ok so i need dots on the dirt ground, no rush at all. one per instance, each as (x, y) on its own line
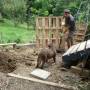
(23, 60)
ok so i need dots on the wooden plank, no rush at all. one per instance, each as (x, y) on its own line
(43, 82)
(46, 42)
(78, 40)
(6, 44)
(78, 37)
(46, 32)
(81, 29)
(43, 23)
(27, 44)
(48, 24)
(80, 34)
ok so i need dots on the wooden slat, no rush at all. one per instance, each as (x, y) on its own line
(6, 44)
(81, 31)
(27, 44)
(79, 34)
(63, 86)
(46, 25)
(78, 39)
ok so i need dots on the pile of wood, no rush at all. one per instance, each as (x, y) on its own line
(50, 29)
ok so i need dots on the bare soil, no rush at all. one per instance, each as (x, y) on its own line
(23, 60)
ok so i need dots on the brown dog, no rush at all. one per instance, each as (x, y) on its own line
(45, 54)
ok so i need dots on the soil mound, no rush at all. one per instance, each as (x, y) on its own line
(7, 62)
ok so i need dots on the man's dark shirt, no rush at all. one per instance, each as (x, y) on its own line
(70, 22)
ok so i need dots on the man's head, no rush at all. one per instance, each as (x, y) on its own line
(66, 13)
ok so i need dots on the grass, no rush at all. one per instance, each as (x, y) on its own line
(10, 33)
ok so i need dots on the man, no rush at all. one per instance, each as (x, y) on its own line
(70, 24)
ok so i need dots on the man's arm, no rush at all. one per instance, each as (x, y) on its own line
(71, 24)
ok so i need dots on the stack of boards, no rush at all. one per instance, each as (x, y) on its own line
(79, 51)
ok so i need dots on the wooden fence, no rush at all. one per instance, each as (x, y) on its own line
(49, 29)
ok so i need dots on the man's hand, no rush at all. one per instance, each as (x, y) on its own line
(63, 23)
(65, 29)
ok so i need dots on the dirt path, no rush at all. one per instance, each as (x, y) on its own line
(25, 60)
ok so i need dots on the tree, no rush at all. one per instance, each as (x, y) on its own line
(29, 5)
(14, 10)
(1, 11)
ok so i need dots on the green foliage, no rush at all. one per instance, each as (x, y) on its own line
(23, 10)
(41, 7)
(22, 14)
(18, 40)
(14, 9)
(58, 6)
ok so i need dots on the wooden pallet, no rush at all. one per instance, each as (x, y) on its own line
(49, 29)
(80, 33)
